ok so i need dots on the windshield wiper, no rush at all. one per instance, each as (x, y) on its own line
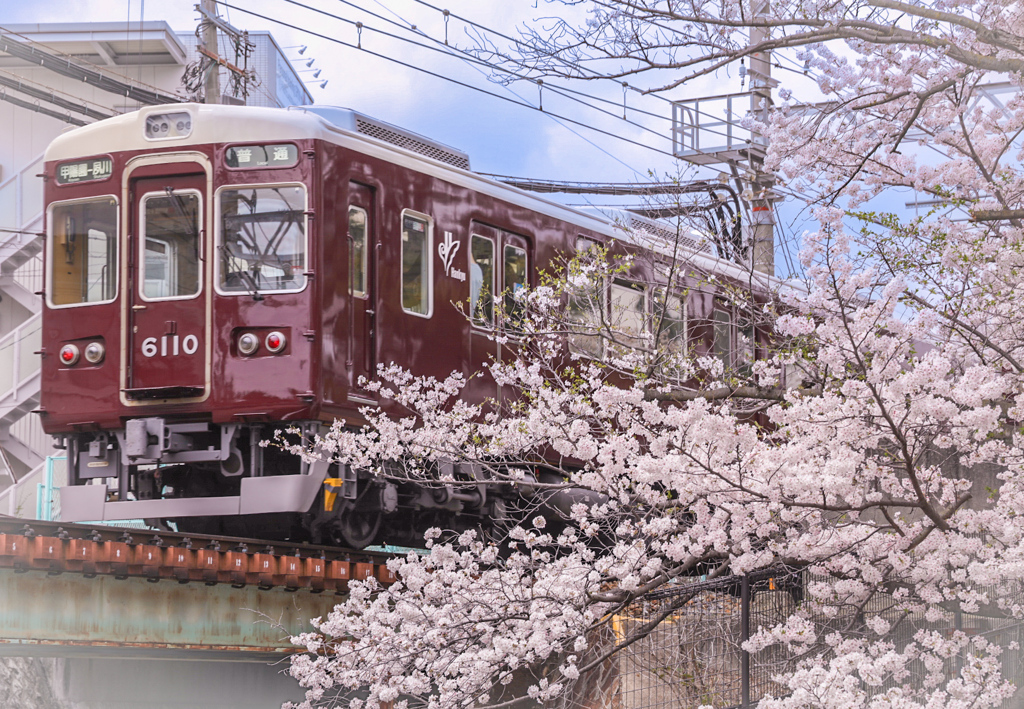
(251, 286)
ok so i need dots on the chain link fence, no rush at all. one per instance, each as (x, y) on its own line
(689, 653)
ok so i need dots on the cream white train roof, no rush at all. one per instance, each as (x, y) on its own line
(212, 123)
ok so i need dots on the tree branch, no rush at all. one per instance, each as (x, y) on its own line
(738, 392)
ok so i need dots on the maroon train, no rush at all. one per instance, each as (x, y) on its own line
(218, 273)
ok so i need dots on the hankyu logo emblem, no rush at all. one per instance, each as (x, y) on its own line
(447, 250)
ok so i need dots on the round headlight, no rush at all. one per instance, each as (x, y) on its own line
(94, 352)
(68, 355)
(248, 344)
(276, 341)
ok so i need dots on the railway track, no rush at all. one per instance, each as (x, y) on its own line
(93, 550)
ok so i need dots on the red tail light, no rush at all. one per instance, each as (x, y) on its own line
(276, 342)
(68, 355)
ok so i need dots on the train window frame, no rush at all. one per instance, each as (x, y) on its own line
(219, 238)
(51, 242)
(142, 237)
(428, 258)
(481, 323)
(726, 353)
(745, 342)
(509, 305)
(662, 300)
(622, 285)
(364, 270)
(591, 346)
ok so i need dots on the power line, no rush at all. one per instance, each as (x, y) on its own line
(490, 65)
(521, 103)
(448, 50)
(21, 103)
(29, 89)
(560, 90)
(99, 107)
(556, 119)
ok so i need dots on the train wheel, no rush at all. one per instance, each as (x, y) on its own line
(359, 528)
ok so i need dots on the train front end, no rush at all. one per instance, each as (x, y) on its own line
(178, 327)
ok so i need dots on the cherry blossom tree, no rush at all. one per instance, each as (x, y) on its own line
(850, 447)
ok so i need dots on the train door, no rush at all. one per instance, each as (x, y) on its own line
(362, 262)
(515, 273)
(167, 293)
(514, 262)
(483, 267)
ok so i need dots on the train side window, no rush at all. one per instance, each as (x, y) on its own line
(628, 313)
(261, 243)
(417, 239)
(515, 281)
(357, 248)
(83, 252)
(171, 267)
(722, 331)
(481, 281)
(669, 325)
(746, 344)
(586, 310)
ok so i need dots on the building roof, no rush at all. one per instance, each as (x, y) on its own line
(103, 43)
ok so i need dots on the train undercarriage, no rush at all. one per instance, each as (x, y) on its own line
(231, 479)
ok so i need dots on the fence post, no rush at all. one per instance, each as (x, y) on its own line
(744, 636)
(958, 624)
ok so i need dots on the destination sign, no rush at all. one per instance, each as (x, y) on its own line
(69, 173)
(283, 155)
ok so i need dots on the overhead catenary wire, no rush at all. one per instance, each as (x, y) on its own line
(29, 89)
(448, 50)
(81, 103)
(491, 65)
(550, 116)
(561, 90)
(520, 102)
(22, 103)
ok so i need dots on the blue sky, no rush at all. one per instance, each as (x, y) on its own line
(499, 136)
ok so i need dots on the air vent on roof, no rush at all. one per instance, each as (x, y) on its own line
(409, 141)
(651, 229)
(652, 233)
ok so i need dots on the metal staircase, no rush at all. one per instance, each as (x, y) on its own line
(21, 218)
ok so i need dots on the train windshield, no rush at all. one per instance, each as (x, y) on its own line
(262, 239)
(171, 266)
(83, 257)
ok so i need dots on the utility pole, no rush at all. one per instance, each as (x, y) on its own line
(708, 131)
(211, 83)
(761, 197)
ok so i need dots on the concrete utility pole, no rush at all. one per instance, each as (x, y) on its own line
(708, 131)
(211, 87)
(761, 84)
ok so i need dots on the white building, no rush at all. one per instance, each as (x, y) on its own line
(53, 76)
